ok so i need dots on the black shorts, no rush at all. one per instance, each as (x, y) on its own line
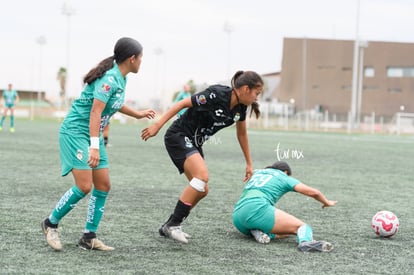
(180, 147)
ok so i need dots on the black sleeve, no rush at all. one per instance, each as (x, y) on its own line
(205, 98)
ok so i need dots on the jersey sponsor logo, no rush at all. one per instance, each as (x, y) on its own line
(91, 209)
(65, 198)
(219, 124)
(117, 104)
(219, 112)
(201, 99)
(104, 122)
(105, 88)
(212, 95)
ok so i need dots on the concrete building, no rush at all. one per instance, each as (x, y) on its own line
(318, 73)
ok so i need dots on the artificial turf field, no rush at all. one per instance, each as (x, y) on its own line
(365, 173)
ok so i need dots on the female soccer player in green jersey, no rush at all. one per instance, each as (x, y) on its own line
(82, 149)
(208, 111)
(255, 213)
(11, 98)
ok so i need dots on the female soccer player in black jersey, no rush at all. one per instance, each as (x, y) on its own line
(209, 111)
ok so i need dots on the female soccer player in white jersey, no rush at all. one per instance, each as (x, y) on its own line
(255, 213)
(208, 111)
(82, 149)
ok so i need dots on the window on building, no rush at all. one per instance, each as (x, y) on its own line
(394, 90)
(326, 67)
(371, 88)
(369, 72)
(400, 71)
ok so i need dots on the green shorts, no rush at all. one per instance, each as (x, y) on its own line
(254, 213)
(74, 153)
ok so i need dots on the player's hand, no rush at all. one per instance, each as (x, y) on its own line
(150, 114)
(249, 173)
(94, 157)
(149, 132)
(329, 203)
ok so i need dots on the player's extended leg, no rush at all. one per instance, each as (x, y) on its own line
(96, 207)
(196, 172)
(288, 224)
(285, 223)
(69, 200)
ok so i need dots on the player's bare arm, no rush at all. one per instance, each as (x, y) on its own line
(153, 129)
(314, 193)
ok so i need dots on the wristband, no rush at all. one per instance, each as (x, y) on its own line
(94, 143)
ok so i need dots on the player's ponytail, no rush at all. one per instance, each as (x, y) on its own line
(99, 70)
(255, 109)
(124, 48)
(252, 80)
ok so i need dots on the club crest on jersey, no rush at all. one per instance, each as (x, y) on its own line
(236, 117)
(188, 143)
(79, 154)
(201, 99)
(105, 88)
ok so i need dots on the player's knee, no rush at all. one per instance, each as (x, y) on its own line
(86, 189)
(103, 186)
(199, 185)
(204, 194)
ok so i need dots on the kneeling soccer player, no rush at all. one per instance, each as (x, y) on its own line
(255, 214)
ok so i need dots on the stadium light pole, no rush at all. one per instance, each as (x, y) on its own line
(41, 40)
(158, 93)
(68, 11)
(362, 45)
(355, 72)
(228, 28)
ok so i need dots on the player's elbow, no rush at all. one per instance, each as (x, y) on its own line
(314, 193)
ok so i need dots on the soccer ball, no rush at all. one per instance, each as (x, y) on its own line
(385, 224)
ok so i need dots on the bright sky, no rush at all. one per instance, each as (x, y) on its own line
(188, 36)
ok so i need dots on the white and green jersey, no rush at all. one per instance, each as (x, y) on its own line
(271, 183)
(108, 89)
(9, 96)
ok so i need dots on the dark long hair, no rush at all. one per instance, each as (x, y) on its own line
(252, 80)
(124, 48)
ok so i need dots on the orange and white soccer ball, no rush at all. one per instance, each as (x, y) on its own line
(385, 224)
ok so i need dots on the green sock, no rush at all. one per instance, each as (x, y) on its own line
(2, 120)
(66, 203)
(96, 207)
(305, 233)
(11, 121)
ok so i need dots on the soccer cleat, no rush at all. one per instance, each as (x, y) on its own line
(52, 236)
(260, 236)
(174, 232)
(313, 245)
(1, 128)
(93, 244)
(11, 130)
